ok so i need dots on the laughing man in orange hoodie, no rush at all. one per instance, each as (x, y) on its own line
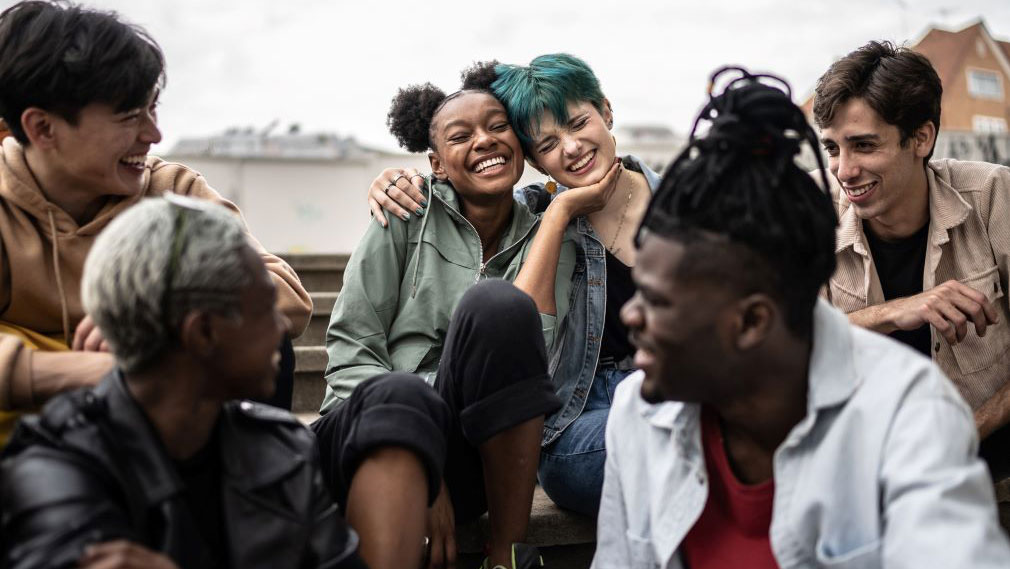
(78, 93)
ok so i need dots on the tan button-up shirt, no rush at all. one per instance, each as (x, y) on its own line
(969, 241)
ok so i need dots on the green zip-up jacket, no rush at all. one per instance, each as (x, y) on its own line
(403, 283)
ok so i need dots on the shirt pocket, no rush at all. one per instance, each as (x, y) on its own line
(863, 557)
(643, 555)
(976, 353)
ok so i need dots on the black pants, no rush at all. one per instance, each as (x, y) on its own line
(390, 410)
(492, 376)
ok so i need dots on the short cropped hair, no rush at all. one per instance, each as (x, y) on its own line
(61, 57)
(549, 83)
(899, 84)
(155, 263)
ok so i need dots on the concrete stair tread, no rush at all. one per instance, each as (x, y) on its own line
(315, 261)
(322, 303)
(310, 359)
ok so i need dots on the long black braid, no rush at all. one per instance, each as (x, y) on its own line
(739, 183)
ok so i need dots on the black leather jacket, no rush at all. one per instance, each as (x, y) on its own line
(90, 468)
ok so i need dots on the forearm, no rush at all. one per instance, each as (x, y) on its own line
(56, 372)
(539, 272)
(994, 413)
(876, 318)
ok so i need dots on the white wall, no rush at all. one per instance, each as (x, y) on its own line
(316, 206)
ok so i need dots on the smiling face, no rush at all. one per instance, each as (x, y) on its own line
(105, 152)
(683, 330)
(475, 147)
(879, 175)
(579, 152)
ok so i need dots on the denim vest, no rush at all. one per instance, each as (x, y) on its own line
(577, 347)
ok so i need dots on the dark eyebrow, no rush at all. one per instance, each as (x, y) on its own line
(455, 122)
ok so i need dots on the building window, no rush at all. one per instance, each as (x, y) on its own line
(985, 84)
(988, 125)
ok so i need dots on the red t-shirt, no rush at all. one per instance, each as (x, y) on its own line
(733, 528)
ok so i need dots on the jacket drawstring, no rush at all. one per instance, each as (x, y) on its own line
(59, 279)
(420, 242)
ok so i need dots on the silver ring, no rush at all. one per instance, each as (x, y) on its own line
(386, 189)
(417, 176)
(396, 179)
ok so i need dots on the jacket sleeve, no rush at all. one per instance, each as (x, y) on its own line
(612, 522)
(54, 508)
(937, 497)
(292, 298)
(357, 336)
(15, 374)
(331, 542)
(999, 228)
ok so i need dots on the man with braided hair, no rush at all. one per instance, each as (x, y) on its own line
(763, 429)
(923, 245)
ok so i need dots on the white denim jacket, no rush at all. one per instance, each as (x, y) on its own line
(882, 472)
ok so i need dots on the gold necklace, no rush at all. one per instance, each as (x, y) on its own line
(624, 213)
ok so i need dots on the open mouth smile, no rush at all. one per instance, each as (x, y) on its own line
(859, 193)
(491, 165)
(584, 163)
(134, 162)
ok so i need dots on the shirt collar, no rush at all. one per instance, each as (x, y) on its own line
(832, 374)
(947, 209)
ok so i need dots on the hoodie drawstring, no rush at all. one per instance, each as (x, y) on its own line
(420, 242)
(59, 279)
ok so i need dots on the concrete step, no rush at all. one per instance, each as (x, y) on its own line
(318, 273)
(309, 385)
(322, 306)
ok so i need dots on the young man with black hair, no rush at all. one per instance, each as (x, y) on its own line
(78, 93)
(923, 245)
(764, 430)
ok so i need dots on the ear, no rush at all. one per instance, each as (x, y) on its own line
(756, 316)
(436, 166)
(39, 127)
(608, 113)
(924, 137)
(198, 334)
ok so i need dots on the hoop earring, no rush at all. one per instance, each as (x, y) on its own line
(551, 186)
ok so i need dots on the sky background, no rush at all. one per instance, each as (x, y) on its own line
(334, 65)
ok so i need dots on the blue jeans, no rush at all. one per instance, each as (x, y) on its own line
(571, 468)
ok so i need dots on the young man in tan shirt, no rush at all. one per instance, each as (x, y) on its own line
(923, 246)
(78, 93)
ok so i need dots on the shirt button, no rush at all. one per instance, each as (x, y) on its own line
(701, 478)
(936, 347)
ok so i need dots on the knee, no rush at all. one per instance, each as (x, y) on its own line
(487, 302)
(399, 388)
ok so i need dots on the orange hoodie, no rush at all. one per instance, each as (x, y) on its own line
(40, 277)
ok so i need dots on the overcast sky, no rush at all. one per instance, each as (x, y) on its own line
(334, 65)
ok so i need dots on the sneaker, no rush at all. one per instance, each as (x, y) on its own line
(523, 557)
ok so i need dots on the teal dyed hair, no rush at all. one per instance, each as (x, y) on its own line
(548, 84)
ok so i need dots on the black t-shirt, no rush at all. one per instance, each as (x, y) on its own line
(900, 265)
(202, 478)
(620, 289)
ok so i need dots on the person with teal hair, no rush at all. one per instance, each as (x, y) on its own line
(563, 120)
